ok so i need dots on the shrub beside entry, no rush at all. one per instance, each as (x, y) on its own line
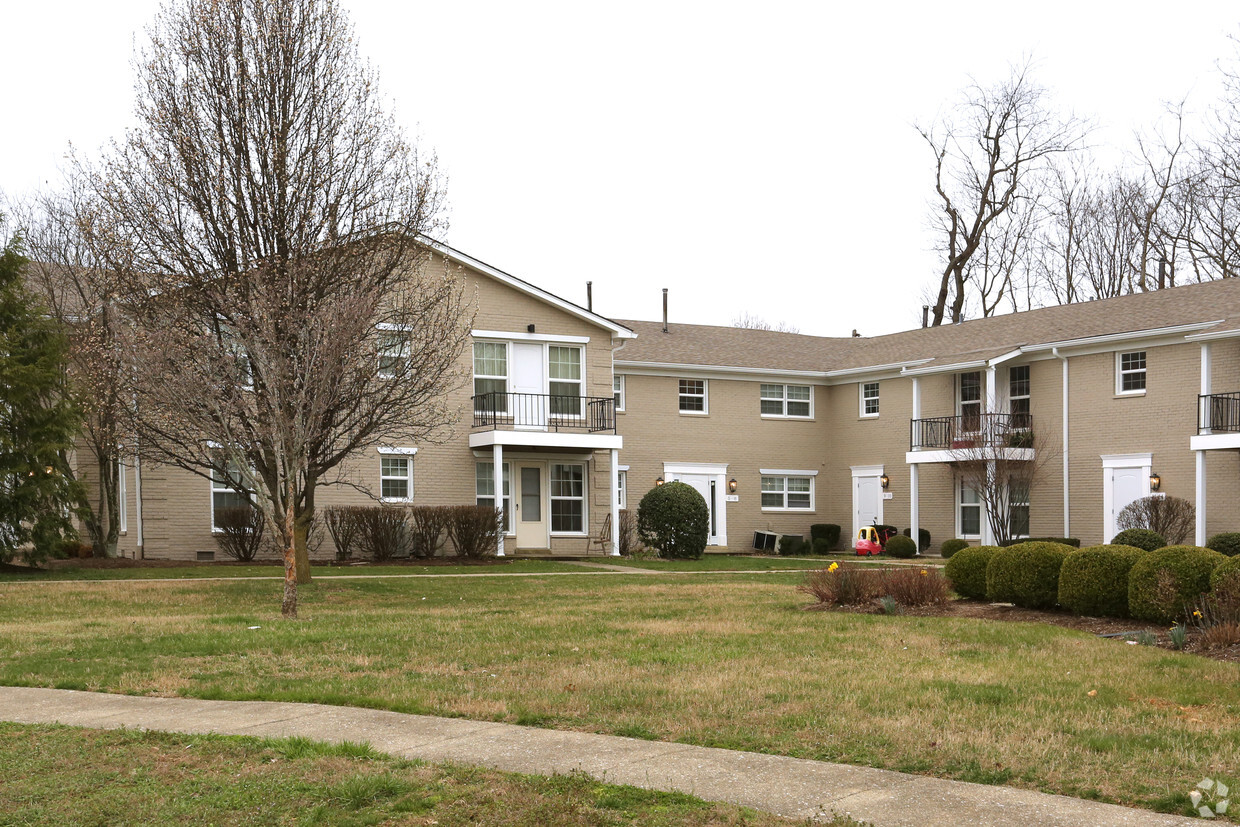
(1164, 582)
(952, 546)
(966, 569)
(828, 532)
(901, 546)
(1026, 574)
(1094, 580)
(1227, 543)
(674, 521)
(1142, 538)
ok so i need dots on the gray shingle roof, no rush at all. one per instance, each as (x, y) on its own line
(1213, 301)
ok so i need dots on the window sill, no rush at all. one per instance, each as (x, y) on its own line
(396, 500)
(788, 510)
(581, 535)
(694, 413)
(862, 417)
(786, 416)
(1129, 394)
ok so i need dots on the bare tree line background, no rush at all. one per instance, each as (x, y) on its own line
(1025, 215)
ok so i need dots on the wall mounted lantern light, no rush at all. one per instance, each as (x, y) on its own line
(732, 486)
(1155, 482)
(659, 481)
(884, 481)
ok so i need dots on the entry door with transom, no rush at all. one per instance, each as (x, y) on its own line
(529, 405)
(532, 522)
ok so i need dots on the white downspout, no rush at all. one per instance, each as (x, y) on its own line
(1067, 498)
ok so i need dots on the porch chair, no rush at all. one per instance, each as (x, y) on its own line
(602, 539)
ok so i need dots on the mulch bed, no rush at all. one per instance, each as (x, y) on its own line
(1093, 625)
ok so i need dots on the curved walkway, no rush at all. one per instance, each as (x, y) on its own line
(787, 786)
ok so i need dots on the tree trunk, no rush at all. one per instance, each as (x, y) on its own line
(288, 608)
(302, 529)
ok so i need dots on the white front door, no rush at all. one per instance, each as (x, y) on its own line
(532, 506)
(529, 406)
(711, 487)
(867, 502)
(1124, 485)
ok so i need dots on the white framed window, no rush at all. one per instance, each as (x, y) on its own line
(968, 512)
(790, 492)
(788, 401)
(1018, 509)
(227, 491)
(869, 399)
(617, 387)
(622, 487)
(122, 511)
(393, 353)
(396, 475)
(969, 402)
(1018, 396)
(564, 373)
(491, 376)
(693, 398)
(1130, 372)
(568, 498)
(485, 490)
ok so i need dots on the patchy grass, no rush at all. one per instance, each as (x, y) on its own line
(57, 775)
(728, 661)
(717, 562)
(191, 571)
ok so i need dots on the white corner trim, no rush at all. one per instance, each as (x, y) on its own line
(867, 470)
(786, 472)
(387, 449)
(529, 337)
(1127, 460)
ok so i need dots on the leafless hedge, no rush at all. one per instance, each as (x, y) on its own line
(1172, 517)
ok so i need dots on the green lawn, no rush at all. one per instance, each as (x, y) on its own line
(719, 562)
(729, 660)
(57, 775)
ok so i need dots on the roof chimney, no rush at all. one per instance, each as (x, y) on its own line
(856, 335)
(664, 309)
(925, 315)
(590, 296)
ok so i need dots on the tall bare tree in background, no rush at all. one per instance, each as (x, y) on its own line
(82, 293)
(265, 218)
(991, 154)
(752, 321)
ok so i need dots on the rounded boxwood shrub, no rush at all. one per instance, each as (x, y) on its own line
(967, 570)
(1026, 574)
(901, 546)
(952, 546)
(1094, 580)
(1227, 543)
(822, 545)
(674, 521)
(1228, 570)
(1184, 572)
(1142, 538)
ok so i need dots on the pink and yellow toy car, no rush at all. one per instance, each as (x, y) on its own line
(872, 539)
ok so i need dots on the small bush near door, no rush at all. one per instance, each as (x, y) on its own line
(1094, 580)
(923, 538)
(901, 546)
(791, 545)
(829, 533)
(1227, 543)
(1141, 538)
(1026, 575)
(952, 546)
(474, 529)
(673, 519)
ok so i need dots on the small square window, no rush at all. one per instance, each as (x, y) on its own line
(693, 396)
(869, 399)
(396, 478)
(1130, 372)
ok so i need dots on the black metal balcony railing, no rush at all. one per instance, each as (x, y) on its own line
(545, 412)
(1218, 413)
(973, 430)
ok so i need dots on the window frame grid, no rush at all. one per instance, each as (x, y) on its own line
(554, 496)
(682, 395)
(785, 493)
(1121, 373)
(864, 400)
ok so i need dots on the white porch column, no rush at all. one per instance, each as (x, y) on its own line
(615, 503)
(498, 457)
(992, 391)
(1201, 498)
(914, 518)
(988, 534)
(1204, 410)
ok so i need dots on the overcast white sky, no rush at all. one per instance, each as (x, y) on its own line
(755, 157)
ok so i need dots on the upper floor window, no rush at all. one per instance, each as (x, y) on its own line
(970, 402)
(693, 396)
(396, 474)
(617, 386)
(491, 375)
(869, 399)
(1130, 372)
(564, 372)
(786, 400)
(1018, 395)
(393, 353)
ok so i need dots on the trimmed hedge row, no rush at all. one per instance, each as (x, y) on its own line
(966, 569)
(1164, 582)
(1063, 541)
(1094, 580)
(1026, 574)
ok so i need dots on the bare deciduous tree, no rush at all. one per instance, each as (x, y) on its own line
(752, 321)
(1172, 517)
(989, 155)
(267, 215)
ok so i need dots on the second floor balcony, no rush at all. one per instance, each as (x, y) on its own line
(545, 412)
(965, 433)
(1218, 413)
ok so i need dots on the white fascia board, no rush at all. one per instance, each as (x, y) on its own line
(955, 367)
(619, 331)
(948, 455)
(999, 360)
(529, 337)
(893, 368)
(1142, 460)
(1113, 338)
(546, 439)
(695, 468)
(717, 372)
(1214, 442)
(1211, 335)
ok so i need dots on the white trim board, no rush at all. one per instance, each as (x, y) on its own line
(529, 337)
(785, 472)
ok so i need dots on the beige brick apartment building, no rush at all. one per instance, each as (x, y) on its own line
(574, 416)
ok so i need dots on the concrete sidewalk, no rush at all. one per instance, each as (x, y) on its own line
(786, 786)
